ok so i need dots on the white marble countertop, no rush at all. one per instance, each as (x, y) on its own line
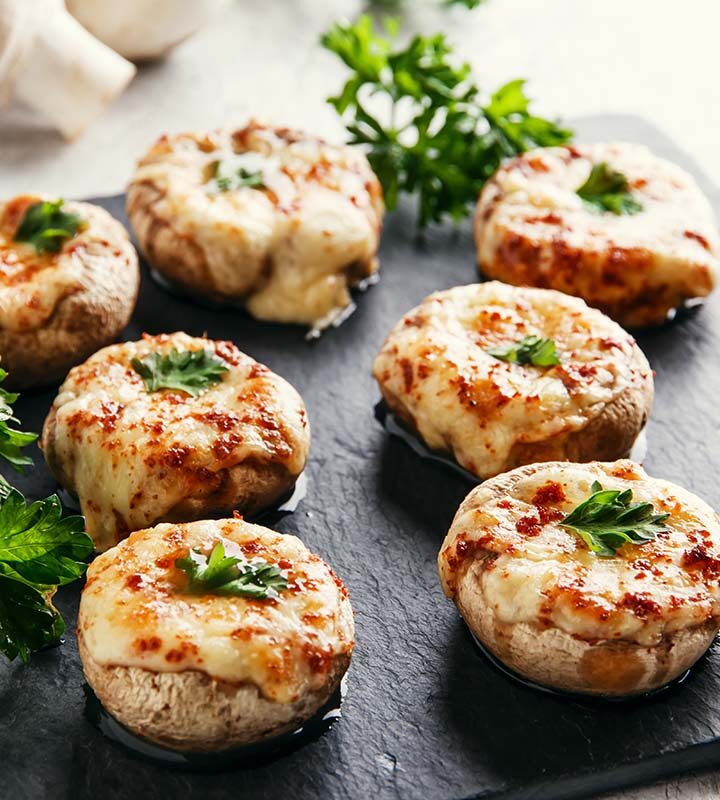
(654, 58)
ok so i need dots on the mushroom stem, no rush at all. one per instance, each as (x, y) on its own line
(63, 72)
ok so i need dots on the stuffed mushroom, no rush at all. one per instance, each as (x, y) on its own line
(173, 428)
(272, 218)
(591, 578)
(207, 661)
(69, 280)
(498, 376)
(630, 233)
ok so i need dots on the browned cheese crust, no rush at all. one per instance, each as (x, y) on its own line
(532, 229)
(557, 614)
(58, 308)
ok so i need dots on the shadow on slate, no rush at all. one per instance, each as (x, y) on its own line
(426, 716)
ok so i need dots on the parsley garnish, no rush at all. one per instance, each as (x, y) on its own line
(530, 350)
(229, 177)
(11, 441)
(39, 550)
(190, 371)
(46, 226)
(607, 190)
(228, 575)
(439, 140)
(608, 519)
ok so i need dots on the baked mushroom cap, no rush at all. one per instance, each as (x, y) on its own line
(58, 308)
(269, 217)
(558, 614)
(532, 228)
(135, 457)
(194, 670)
(491, 415)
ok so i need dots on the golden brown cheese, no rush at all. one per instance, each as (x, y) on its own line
(288, 249)
(532, 228)
(131, 456)
(31, 283)
(435, 373)
(135, 611)
(508, 544)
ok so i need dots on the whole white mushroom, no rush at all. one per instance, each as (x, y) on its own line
(51, 63)
(143, 29)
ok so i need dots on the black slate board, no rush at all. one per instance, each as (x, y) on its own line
(426, 716)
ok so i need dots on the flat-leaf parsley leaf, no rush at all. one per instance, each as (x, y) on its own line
(608, 519)
(229, 575)
(39, 550)
(46, 226)
(11, 440)
(606, 189)
(440, 140)
(530, 350)
(190, 371)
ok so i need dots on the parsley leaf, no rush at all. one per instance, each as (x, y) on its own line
(228, 575)
(11, 440)
(28, 620)
(530, 350)
(46, 226)
(439, 140)
(190, 371)
(39, 550)
(230, 177)
(608, 519)
(607, 190)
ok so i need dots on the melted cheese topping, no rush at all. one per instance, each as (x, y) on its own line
(132, 456)
(134, 611)
(288, 249)
(533, 570)
(533, 228)
(31, 283)
(435, 370)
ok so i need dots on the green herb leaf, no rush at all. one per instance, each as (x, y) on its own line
(11, 440)
(230, 178)
(607, 190)
(467, 3)
(228, 575)
(46, 226)
(439, 141)
(39, 550)
(530, 350)
(28, 620)
(190, 371)
(608, 519)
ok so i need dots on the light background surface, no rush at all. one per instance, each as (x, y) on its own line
(654, 58)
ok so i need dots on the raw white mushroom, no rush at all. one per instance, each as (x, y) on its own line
(143, 29)
(49, 62)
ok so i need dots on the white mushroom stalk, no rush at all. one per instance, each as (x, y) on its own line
(52, 64)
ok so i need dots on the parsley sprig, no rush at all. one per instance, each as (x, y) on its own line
(190, 371)
(229, 575)
(440, 140)
(39, 551)
(11, 440)
(606, 189)
(229, 177)
(46, 226)
(608, 519)
(530, 350)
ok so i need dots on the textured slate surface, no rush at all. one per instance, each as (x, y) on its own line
(426, 716)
